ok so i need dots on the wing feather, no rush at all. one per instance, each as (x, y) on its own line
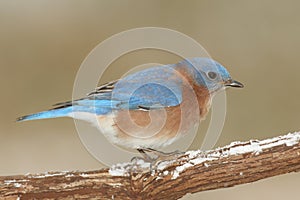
(152, 88)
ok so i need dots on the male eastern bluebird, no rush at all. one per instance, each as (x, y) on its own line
(151, 108)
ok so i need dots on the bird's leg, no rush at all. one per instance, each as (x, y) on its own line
(145, 157)
(159, 156)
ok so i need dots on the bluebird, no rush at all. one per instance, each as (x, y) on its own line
(151, 108)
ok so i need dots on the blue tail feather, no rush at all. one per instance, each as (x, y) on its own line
(63, 112)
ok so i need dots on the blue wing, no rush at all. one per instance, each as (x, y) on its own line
(151, 88)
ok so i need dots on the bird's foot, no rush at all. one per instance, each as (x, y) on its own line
(155, 157)
(139, 165)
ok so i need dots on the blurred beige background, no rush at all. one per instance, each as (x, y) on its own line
(42, 44)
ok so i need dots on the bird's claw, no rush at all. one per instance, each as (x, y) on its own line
(158, 158)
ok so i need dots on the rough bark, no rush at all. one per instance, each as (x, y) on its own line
(194, 171)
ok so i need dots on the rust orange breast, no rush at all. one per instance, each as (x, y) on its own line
(157, 123)
(149, 128)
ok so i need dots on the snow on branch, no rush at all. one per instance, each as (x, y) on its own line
(194, 171)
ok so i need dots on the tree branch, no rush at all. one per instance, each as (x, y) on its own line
(237, 163)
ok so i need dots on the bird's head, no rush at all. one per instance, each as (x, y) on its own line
(210, 74)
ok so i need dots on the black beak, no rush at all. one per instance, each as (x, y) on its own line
(234, 83)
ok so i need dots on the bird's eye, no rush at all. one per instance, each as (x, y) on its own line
(212, 75)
